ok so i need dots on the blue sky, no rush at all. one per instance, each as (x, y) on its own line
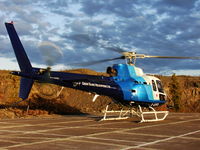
(72, 29)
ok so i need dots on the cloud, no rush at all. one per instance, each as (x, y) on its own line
(183, 4)
(161, 27)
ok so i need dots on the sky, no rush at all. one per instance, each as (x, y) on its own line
(63, 32)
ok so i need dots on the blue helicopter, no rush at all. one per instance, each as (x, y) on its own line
(126, 84)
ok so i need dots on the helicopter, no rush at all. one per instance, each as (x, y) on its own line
(126, 83)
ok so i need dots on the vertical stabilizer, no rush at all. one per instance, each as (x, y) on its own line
(23, 61)
(25, 87)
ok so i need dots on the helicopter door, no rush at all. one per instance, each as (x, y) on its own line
(155, 90)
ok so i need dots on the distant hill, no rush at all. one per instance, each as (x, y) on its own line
(47, 99)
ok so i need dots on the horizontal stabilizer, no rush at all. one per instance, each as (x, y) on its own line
(25, 87)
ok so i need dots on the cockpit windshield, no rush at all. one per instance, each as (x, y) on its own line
(160, 87)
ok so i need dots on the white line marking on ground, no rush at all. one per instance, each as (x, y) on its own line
(143, 134)
(162, 140)
(157, 125)
(156, 135)
(190, 138)
(101, 143)
(115, 140)
(95, 134)
(68, 127)
(42, 124)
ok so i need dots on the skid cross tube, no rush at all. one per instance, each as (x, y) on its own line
(153, 112)
(125, 114)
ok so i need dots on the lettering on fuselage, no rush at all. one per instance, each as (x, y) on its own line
(75, 84)
(56, 78)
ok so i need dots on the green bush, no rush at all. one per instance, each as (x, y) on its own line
(174, 89)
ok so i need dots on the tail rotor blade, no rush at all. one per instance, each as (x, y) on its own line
(50, 52)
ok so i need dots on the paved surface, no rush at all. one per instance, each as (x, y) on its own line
(178, 131)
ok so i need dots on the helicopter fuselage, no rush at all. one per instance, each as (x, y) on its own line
(129, 85)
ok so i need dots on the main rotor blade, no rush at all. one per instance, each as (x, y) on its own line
(171, 57)
(94, 41)
(96, 62)
(115, 49)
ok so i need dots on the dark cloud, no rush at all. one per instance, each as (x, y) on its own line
(20, 2)
(183, 4)
(119, 8)
(160, 27)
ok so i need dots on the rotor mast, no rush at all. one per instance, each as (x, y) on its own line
(131, 57)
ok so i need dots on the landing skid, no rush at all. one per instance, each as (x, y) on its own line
(145, 116)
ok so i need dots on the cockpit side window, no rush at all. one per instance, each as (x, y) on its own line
(154, 85)
(160, 87)
(111, 71)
